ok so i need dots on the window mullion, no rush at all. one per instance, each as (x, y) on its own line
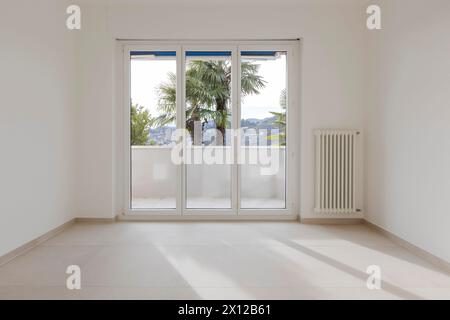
(235, 101)
(180, 125)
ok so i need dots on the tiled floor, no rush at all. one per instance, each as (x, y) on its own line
(220, 260)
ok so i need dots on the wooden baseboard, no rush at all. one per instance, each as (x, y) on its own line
(337, 221)
(35, 242)
(431, 258)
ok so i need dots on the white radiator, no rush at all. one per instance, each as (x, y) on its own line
(336, 171)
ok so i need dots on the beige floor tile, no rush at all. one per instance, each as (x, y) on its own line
(97, 234)
(95, 293)
(45, 265)
(220, 260)
(133, 266)
(324, 235)
(398, 266)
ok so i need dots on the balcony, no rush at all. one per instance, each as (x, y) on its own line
(154, 180)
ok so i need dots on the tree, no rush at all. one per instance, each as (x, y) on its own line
(140, 125)
(280, 119)
(208, 90)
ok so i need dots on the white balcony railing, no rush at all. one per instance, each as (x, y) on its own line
(154, 178)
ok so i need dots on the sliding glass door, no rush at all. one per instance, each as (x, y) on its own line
(208, 124)
(263, 123)
(207, 129)
(153, 114)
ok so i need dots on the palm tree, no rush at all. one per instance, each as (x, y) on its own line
(280, 120)
(208, 90)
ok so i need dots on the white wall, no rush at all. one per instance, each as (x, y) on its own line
(331, 88)
(36, 120)
(95, 98)
(407, 120)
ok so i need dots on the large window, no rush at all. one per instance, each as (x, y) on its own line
(207, 128)
(263, 123)
(153, 116)
(208, 122)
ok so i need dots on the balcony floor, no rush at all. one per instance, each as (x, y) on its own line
(208, 203)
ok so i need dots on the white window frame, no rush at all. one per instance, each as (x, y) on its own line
(292, 166)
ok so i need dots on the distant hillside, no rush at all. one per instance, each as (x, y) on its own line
(162, 136)
(266, 123)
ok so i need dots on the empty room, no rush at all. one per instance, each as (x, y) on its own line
(252, 150)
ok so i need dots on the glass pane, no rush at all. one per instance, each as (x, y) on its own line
(263, 129)
(153, 119)
(208, 123)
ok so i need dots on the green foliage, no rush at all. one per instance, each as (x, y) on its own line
(283, 99)
(280, 120)
(208, 90)
(140, 125)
